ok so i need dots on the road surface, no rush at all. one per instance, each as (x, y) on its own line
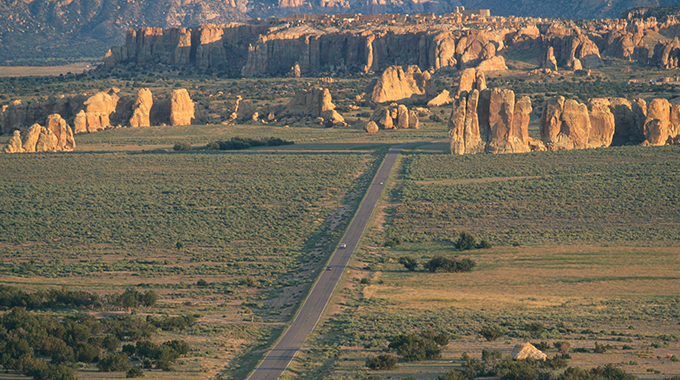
(278, 359)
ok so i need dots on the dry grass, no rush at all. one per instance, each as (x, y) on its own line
(41, 71)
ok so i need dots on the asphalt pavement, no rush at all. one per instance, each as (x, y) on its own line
(278, 359)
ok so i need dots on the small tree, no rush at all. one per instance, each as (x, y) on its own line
(408, 263)
(179, 245)
(465, 241)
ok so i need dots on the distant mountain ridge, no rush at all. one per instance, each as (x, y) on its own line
(34, 30)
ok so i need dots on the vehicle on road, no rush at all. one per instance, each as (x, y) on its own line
(343, 245)
(328, 267)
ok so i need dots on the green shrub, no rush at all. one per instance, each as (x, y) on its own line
(134, 372)
(445, 264)
(382, 362)
(182, 146)
(465, 242)
(117, 362)
(483, 244)
(418, 347)
(408, 263)
(491, 333)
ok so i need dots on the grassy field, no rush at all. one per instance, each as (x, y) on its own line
(585, 252)
(255, 229)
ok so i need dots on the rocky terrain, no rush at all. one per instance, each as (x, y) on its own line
(37, 29)
(312, 45)
(491, 121)
(103, 110)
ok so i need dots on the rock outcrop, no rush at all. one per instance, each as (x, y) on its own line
(100, 111)
(490, 121)
(141, 110)
(662, 125)
(526, 350)
(182, 110)
(97, 112)
(565, 124)
(15, 145)
(395, 84)
(602, 123)
(62, 131)
(395, 116)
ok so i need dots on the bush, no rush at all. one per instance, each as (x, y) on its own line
(182, 146)
(382, 362)
(465, 242)
(483, 244)
(118, 362)
(239, 143)
(418, 347)
(134, 372)
(490, 333)
(392, 242)
(445, 264)
(408, 263)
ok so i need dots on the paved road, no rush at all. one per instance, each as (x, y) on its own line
(288, 346)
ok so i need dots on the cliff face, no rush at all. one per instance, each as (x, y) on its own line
(86, 28)
(312, 44)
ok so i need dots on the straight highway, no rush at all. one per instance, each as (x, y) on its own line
(283, 353)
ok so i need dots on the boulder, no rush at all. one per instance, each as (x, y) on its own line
(526, 350)
(63, 132)
(141, 110)
(332, 117)
(182, 111)
(371, 127)
(602, 123)
(395, 84)
(14, 145)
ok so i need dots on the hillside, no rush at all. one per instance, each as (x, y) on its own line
(42, 31)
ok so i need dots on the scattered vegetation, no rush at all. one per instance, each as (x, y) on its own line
(238, 143)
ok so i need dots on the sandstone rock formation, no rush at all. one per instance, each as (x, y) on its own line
(471, 79)
(394, 116)
(490, 121)
(395, 84)
(312, 102)
(496, 63)
(602, 123)
(56, 137)
(662, 125)
(99, 111)
(141, 110)
(548, 61)
(62, 131)
(629, 121)
(181, 107)
(95, 116)
(354, 43)
(565, 124)
(527, 350)
(15, 145)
